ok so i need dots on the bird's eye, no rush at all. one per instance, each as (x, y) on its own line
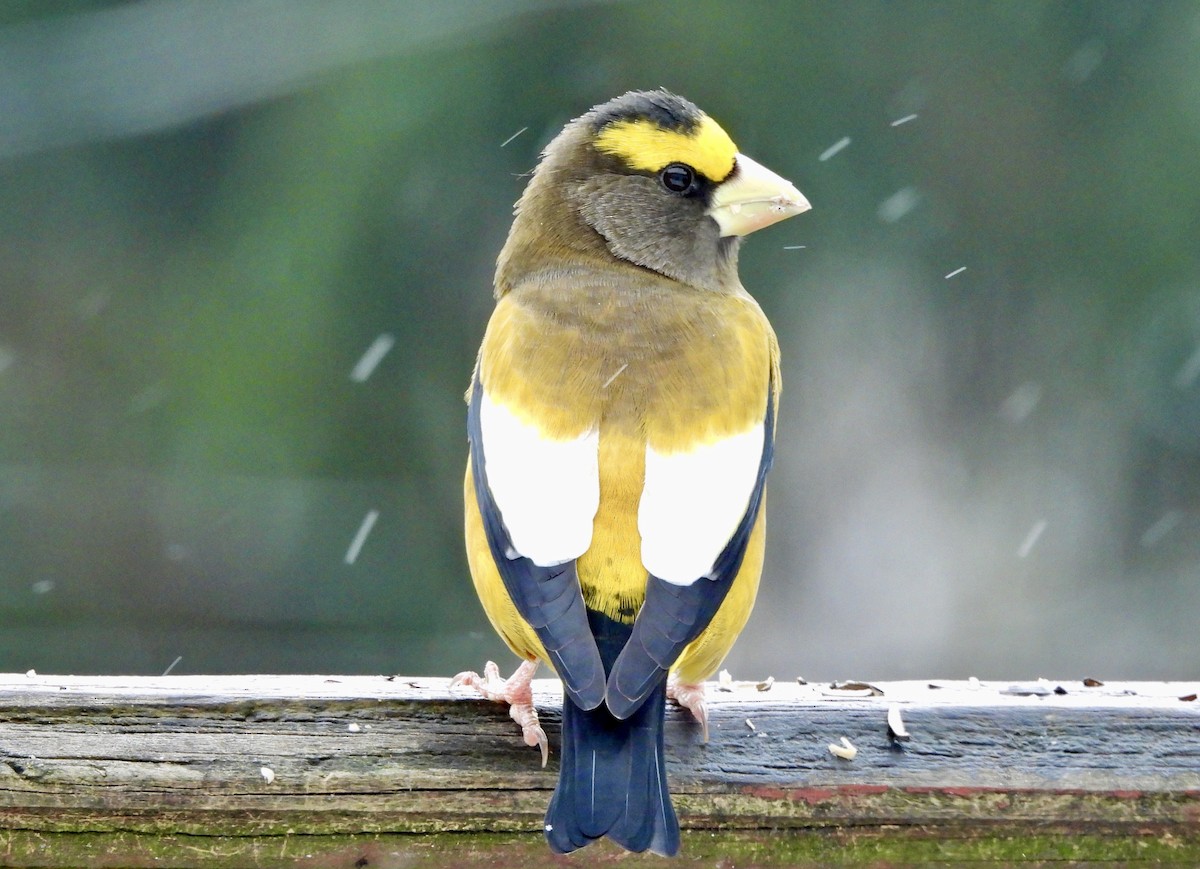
(678, 178)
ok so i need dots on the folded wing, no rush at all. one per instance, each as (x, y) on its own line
(538, 498)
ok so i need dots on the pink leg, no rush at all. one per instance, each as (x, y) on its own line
(691, 698)
(516, 692)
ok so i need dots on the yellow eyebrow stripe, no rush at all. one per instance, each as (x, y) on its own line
(644, 145)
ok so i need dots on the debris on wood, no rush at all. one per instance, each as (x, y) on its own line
(1038, 690)
(846, 751)
(726, 682)
(896, 729)
(972, 683)
(856, 689)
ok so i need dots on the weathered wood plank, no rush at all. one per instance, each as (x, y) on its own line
(264, 759)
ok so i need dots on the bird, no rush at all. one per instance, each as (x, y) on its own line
(621, 423)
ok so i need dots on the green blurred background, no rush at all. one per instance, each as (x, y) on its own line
(211, 211)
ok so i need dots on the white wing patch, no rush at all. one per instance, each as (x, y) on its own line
(692, 503)
(547, 490)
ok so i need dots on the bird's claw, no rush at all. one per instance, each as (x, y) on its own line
(517, 692)
(690, 697)
(527, 719)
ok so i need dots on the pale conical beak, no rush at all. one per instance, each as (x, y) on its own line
(754, 197)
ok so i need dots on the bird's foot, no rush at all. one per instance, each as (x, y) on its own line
(690, 697)
(517, 692)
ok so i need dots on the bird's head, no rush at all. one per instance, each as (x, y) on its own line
(652, 180)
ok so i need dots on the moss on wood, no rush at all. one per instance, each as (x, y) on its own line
(743, 849)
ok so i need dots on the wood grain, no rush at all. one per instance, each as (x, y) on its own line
(247, 757)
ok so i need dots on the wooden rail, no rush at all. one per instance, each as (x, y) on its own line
(355, 771)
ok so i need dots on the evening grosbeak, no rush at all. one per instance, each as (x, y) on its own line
(621, 425)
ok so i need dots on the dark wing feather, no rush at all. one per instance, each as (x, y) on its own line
(549, 598)
(674, 615)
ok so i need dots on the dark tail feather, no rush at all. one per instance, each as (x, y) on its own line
(613, 780)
